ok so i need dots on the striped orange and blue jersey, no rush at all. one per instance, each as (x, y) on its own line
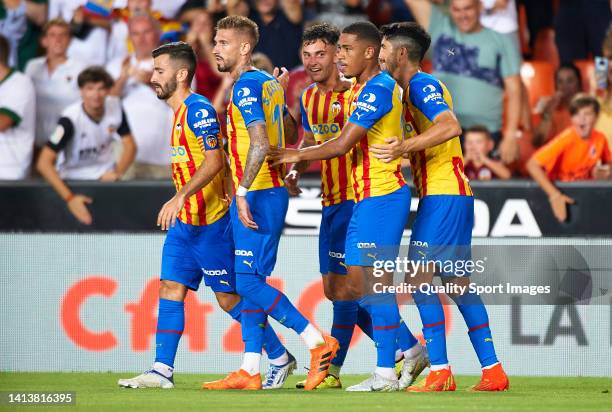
(196, 130)
(437, 170)
(377, 107)
(256, 97)
(324, 115)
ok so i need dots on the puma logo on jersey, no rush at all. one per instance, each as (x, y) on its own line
(249, 264)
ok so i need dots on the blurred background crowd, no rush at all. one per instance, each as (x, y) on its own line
(520, 72)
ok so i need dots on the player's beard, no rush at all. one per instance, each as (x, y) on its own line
(167, 90)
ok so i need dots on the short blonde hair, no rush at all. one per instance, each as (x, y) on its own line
(241, 24)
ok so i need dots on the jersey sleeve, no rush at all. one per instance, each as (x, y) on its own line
(605, 153)
(124, 127)
(202, 119)
(427, 95)
(548, 155)
(63, 133)
(15, 105)
(247, 97)
(304, 114)
(373, 103)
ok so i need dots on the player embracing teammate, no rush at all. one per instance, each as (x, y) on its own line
(443, 226)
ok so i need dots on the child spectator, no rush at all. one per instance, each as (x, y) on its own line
(478, 165)
(578, 153)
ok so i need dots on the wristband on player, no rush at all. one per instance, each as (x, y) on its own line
(242, 191)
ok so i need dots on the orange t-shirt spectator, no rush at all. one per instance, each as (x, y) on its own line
(578, 153)
(569, 156)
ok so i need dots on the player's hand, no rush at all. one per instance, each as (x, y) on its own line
(509, 149)
(282, 75)
(279, 155)
(78, 207)
(169, 212)
(244, 213)
(390, 151)
(558, 203)
(110, 176)
(291, 183)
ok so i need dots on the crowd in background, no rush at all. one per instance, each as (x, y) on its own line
(493, 55)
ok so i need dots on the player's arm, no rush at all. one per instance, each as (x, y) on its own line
(128, 154)
(363, 118)
(427, 96)
(291, 128)
(203, 120)
(45, 165)
(421, 10)
(291, 180)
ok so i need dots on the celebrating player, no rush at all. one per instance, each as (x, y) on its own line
(432, 144)
(199, 241)
(325, 109)
(257, 119)
(382, 197)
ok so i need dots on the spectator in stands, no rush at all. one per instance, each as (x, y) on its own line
(55, 79)
(12, 26)
(553, 111)
(90, 26)
(578, 153)
(119, 35)
(150, 119)
(479, 66)
(339, 13)
(479, 165)
(280, 30)
(501, 16)
(17, 108)
(200, 37)
(20, 22)
(580, 27)
(539, 15)
(82, 142)
(604, 123)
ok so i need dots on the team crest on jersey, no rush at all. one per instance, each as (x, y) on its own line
(335, 108)
(211, 141)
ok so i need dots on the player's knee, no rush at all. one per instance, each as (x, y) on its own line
(172, 290)
(227, 301)
(328, 289)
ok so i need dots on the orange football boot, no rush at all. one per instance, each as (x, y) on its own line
(235, 380)
(493, 379)
(437, 381)
(320, 359)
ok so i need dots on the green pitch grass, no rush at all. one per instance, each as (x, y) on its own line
(99, 392)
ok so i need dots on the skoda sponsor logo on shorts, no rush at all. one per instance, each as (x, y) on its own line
(242, 252)
(366, 245)
(336, 255)
(214, 272)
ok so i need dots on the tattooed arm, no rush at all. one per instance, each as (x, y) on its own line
(258, 149)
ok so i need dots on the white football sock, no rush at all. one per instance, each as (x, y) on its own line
(250, 362)
(413, 352)
(387, 373)
(490, 366)
(312, 337)
(281, 360)
(164, 369)
(439, 367)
